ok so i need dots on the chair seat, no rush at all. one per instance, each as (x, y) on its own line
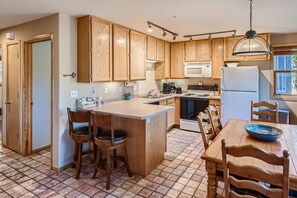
(81, 130)
(118, 135)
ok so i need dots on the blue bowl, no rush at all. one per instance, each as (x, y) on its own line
(263, 132)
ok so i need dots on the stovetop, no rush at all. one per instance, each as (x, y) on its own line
(200, 91)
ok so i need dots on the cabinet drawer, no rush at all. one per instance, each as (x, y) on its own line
(170, 101)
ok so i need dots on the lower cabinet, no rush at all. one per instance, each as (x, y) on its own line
(170, 121)
(177, 111)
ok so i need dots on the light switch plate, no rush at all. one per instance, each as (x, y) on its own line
(93, 91)
(120, 89)
(73, 94)
(105, 90)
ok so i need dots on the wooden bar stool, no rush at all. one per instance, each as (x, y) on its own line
(81, 132)
(108, 141)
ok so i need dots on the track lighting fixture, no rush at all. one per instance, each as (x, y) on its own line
(165, 31)
(210, 34)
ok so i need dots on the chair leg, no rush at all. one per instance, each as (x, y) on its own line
(75, 156)
(79, 160)
(127, 161)
(108, 169)
(115, 164)
(95, 152)
(96, 163)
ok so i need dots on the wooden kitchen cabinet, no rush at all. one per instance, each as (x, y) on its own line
(177, 60)
(230, 42)
(217, 103)
(120, 53)
(160, 50)
(151, 48)
(170, 121)
(190, 51)
(137, 55)
(217, 46)
(93, 50)
(177, 111)
(162, 69)
(203, 50)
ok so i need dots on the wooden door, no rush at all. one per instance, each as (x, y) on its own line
(137, 55)
(101, 50)
(120, 53)
(229, 46)
(167, 60)
(203, 50)
(151, 48)
(177, 60)
(190, 51)
(160, 50)
(13, 97)
(217, 57)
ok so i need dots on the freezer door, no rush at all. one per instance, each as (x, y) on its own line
(237, 105)
(240, 78)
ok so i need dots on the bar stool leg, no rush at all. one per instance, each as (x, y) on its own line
(127, 161)
(96, 163)
(75, 156)
(78, 160)
(108, 169)
(115, 164)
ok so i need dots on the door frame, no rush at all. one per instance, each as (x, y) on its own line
(6, 92)
(27, 95)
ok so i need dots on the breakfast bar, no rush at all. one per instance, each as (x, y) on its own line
(146, 128)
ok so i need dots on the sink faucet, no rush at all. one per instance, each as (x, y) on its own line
(151, 92)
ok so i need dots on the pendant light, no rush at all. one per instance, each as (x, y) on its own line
(251, 44)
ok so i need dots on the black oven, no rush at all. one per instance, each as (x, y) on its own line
(190, 107)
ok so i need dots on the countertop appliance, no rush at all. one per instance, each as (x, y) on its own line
(239, 86)
(172, 87)
(178, 90)
(197, 69)
(192, 103)
(166, 88)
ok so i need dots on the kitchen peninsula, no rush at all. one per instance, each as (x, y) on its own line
(146, 127)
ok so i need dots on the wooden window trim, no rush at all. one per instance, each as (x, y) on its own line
(273, 95)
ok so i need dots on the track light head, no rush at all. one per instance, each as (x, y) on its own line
(174, 37)
(150, 28)
(164, 33)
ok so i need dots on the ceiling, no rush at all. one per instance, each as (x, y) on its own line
(180, 16)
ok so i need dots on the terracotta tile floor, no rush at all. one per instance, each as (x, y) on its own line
(31, 177)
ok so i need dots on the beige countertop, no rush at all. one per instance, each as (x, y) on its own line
(136, 108)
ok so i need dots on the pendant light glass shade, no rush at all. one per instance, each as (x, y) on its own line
(251, 46)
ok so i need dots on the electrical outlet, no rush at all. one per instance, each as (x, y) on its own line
(73, 94)
(105, 90)
(120, 89)
(135, 87)
(94, 91)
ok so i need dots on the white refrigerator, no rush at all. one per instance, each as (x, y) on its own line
(239, 86)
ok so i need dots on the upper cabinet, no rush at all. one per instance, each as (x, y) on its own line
(120, 53)
(203, 50)
(190, 51)
(160, 50)
(137, 55)
(93, 50)
(162, 69)
(151, 48)
(217, 57)
(230, 42)
(177, 60)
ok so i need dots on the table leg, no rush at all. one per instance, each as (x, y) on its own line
(211, 181)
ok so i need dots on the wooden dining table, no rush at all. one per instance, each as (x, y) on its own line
(235, 135)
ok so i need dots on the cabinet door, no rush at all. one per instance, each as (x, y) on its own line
(262, 57)
(101, 50)
(120, 53)
(190, 51)
(167, 60)
(137, 55)
(217, 57)
(177, 111)
(230, 42)
(151, 48)
(170, 118)
(203, 50)
(177, 60)
(160, 50)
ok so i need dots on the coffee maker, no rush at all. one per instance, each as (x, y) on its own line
(172, 87)
(166, 88)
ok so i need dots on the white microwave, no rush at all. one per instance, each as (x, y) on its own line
(197, 69)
